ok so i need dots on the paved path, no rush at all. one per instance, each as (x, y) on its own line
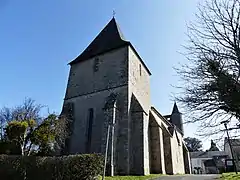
(190, 177)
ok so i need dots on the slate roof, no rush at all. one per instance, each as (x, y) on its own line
(175, 108)
(165, 119)
(162, 117)
(108, 39)
(209, 154)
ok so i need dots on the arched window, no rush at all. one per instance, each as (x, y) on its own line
(89, 130)
(140, 69)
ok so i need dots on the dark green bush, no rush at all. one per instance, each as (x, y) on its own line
(74, 167)
(11, 167)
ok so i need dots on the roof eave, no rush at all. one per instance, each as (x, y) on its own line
(127, 43)
(163, 118)
(76, 60)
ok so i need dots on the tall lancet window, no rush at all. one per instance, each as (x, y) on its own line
(89, 130)
(140, 69)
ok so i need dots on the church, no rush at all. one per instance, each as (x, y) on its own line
(108, 101)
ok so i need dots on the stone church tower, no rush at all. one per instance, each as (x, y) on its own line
(110, 84)
(108, 72)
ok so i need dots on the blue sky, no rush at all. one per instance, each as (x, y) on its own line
(39, 38)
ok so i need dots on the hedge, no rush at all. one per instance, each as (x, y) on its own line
(74, 167)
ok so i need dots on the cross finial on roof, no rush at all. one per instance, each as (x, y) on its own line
(114, 13)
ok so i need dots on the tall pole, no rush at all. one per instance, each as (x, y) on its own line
(106, 151)
(112, 140)
(230, 145)
(111, 125)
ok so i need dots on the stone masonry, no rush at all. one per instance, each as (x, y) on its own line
(109, 84)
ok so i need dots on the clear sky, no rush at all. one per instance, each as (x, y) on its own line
(39, 38)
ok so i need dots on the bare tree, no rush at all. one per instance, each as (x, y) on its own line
(28, 110)
(27, 131)
(211, 89)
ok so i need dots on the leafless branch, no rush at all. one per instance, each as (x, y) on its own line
(211, 86)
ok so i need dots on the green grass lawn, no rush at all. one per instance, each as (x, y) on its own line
(152, 176)
(231, 176)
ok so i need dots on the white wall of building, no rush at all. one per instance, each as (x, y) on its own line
(198, 162)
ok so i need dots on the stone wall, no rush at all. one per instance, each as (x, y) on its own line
(177, 153)
(139, 87)
(156, 144)
(172, 150)
(139, 82)
(90, 84)
(81, 106)
(136, 144)
(122, 73)
(106, 71)
(167, 151)
(156, 148)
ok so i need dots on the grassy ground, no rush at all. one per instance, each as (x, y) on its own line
(152, 176)
(231, 176)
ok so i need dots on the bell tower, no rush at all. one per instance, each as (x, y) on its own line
(176, 118)
(109, 83)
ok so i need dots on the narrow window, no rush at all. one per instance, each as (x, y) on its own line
(140, 69)
(96, 65)
(89, 130)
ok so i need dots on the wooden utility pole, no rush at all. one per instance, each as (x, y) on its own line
(230, 145)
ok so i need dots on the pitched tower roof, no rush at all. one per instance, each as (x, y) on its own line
(108, 39)
(175, 108)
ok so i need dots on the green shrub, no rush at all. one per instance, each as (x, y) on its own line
(11, 167)
(74, 167)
